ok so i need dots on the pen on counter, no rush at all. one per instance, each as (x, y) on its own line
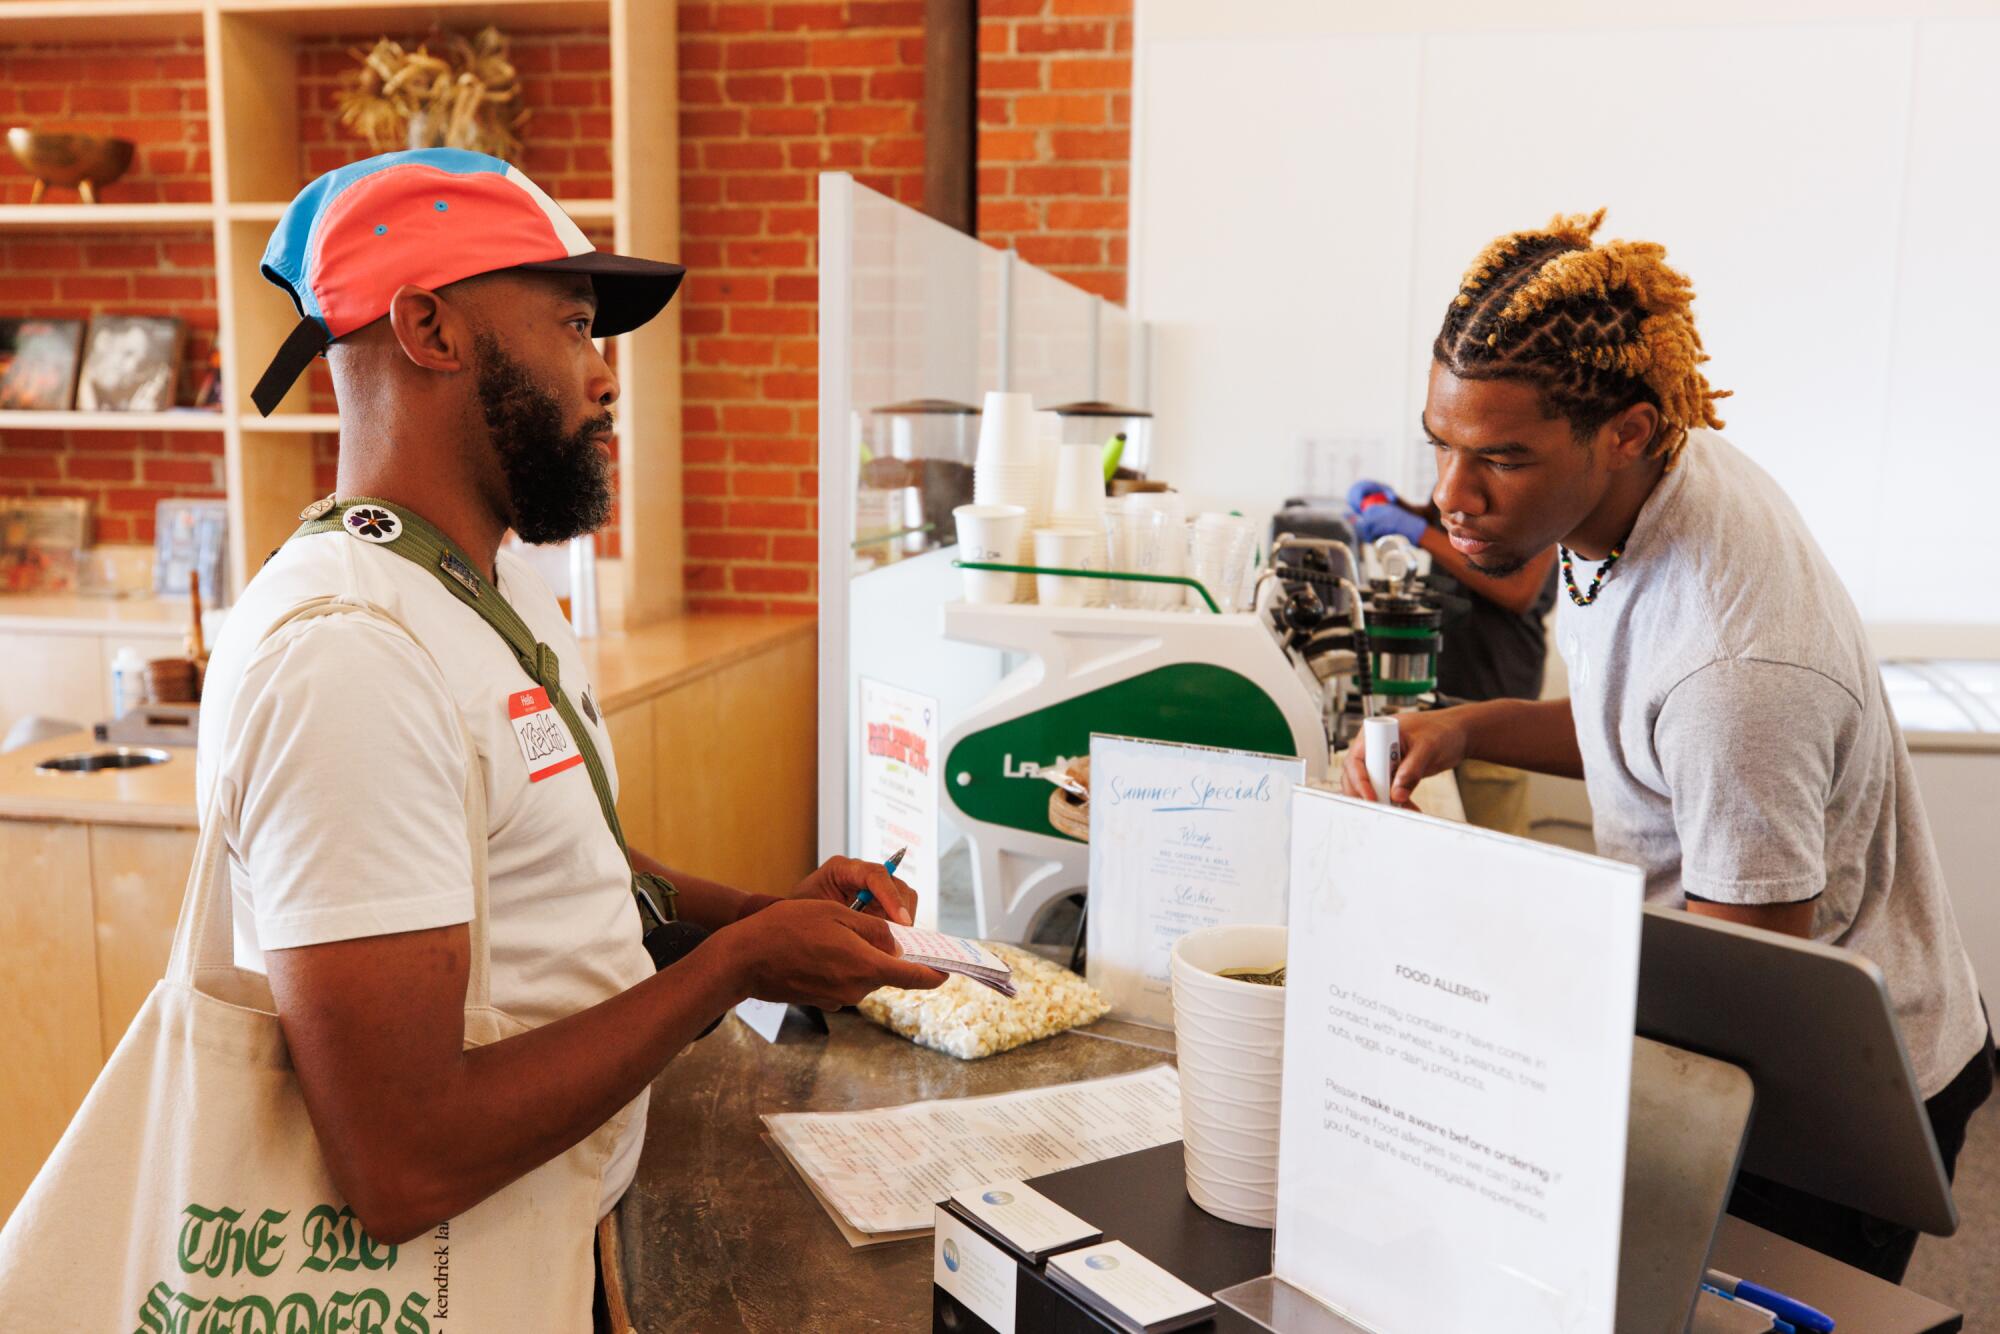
(866, 897)
(1785, 1308)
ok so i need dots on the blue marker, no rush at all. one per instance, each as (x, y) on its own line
(866, 897)
(1785, 1308)
(1780, 1326)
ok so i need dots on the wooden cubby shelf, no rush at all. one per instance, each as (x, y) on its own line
(254, 147)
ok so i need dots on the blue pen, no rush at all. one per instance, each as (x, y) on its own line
(1780, 1326)
(1786, 1308)
(866, 897)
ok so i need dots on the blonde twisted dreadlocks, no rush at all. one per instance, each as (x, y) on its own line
(1596, 328)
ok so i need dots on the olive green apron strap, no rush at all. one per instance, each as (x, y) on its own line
(412, 537)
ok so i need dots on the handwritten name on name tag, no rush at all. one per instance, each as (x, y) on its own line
(545, 742)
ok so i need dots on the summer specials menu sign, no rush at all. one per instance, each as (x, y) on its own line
(1458, 1054)
(1181, 837)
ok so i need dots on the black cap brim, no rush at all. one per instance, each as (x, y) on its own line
(629, 291)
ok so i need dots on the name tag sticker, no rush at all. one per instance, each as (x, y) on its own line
(545, 743)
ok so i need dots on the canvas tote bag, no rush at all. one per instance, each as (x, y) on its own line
(189, 1194)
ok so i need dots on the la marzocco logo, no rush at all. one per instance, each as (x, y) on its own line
(1009, 768)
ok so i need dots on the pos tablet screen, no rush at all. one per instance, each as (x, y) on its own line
(1838, 1113)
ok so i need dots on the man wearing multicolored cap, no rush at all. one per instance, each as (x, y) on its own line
(457, 306)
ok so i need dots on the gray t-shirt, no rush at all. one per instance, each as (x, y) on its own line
(1738, 746)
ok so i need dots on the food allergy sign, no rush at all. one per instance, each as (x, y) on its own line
(545, 743)
(1458, 1046)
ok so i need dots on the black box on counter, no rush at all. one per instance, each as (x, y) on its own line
(1140, 1199)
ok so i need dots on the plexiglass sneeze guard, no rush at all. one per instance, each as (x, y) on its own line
(917, 321)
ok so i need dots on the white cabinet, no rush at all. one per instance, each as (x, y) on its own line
(60, 674)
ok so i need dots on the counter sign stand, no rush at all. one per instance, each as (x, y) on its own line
(1426, 1170)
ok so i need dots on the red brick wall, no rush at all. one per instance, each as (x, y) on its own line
(1055, 135)
(153, 94)
(771, 95)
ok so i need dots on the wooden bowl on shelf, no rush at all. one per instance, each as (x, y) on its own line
(82, 162)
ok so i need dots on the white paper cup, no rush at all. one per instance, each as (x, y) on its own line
(1382, 747)
(1068, 547)
(1230, 1036)
(990, 533)
(1007, 431)
(1079, 492)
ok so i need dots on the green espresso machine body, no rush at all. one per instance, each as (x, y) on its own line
(1189, 677)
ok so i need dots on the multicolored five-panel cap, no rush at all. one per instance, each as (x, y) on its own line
(429, 217)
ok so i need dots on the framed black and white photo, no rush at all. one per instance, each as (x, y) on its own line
(131, 363)
(38, 361)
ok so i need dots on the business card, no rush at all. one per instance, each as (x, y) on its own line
(975, 1271)
(1024, 1218)
(1130, 1284)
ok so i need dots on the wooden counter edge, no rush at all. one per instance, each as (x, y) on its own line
(784, 630)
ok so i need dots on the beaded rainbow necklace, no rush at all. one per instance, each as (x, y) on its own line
(1597, 581)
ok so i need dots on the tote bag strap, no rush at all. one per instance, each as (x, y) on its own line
(204, 937)
(417, 540)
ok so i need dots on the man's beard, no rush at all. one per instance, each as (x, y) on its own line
(558, 482)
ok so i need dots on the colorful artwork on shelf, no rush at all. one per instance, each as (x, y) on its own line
(38, 362)
(41, 543)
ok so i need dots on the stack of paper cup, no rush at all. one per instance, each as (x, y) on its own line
(1230, 1038)
(990, 533)
(1156, 543)
(1008, 471)
(1224, 545)
(1079, 503)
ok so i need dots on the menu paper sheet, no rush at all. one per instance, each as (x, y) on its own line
(884, 1169)
(1458, 1049)
(1181, 838)
(898, 787)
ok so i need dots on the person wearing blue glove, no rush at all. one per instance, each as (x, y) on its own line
(1495, 636)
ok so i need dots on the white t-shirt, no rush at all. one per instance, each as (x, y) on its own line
(1738, 745)
(342, 772)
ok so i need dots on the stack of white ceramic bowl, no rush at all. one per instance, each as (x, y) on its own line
(1229, 1038)
(1008, 470)
(1156, 542)
(1077, 505)
(1225, 548)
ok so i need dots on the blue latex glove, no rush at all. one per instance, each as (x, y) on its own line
(1366, 487)
(1378, 521)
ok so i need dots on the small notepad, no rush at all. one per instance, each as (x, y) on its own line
(954, 954)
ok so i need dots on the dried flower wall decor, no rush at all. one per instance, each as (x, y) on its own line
(467, 97)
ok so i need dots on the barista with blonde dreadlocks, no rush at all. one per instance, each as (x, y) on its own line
(1725, 710)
